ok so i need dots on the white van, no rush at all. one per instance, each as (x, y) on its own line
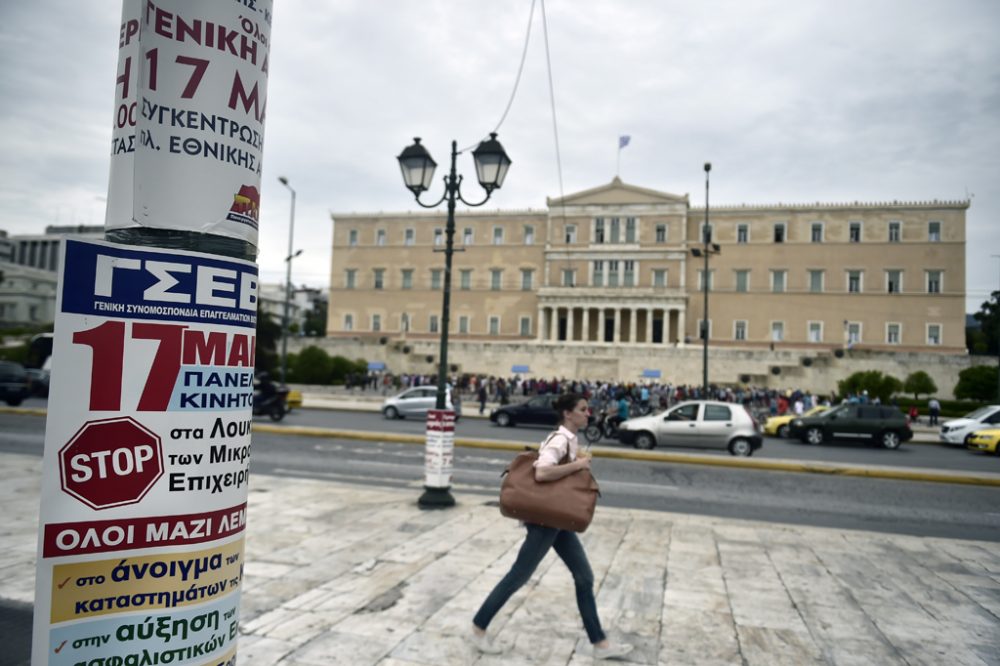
(955, 431)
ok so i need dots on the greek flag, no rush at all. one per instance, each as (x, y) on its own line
(623, 141)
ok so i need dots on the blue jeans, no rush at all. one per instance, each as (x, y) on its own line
(568, 547)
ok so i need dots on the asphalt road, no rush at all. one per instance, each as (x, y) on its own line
(926, 455)
(923, 509)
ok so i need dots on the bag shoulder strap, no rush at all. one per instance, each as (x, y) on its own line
(565, 458)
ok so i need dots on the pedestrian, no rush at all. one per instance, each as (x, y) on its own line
(934, 409)
(573, 414)
(481, 395)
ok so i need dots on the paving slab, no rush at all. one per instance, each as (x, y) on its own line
(357, 574)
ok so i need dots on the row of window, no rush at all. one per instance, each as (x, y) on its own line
(814, 329)
(464, 279)
(814, 332)
(616, 230)
(433, 324)
(816, 280)
(817, 232)
(622, 273)
(467, 236)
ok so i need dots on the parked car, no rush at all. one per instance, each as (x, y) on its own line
(956, 431)
(417, 401)
(535, 411)
(880, 424)
(38, 381)
(13, 383)
(987, 441)
(697, 423)
(777, 426)
(538, 411)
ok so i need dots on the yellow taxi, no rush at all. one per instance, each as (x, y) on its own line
(777, 426)
(987, 441)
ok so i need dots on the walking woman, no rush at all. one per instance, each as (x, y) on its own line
(573, 415)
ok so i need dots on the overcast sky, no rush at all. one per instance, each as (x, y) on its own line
(871, 100)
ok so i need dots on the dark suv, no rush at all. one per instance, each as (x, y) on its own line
(880, 424)
(13, 383)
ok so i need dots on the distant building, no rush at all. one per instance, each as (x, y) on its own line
(302, 300)
(613, 265)
(27, 295)
(43, 250)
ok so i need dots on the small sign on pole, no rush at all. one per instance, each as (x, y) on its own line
(439, 458)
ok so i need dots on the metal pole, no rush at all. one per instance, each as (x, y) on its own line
(438, 497)
(997, 256)
(704, 328)
(449, 231)
(288, 288)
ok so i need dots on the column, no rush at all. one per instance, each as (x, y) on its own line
(681, 327)
(538, 324)
(553, 323)
(618, 326)
(633, 327)
(649, 325)
(570, 311)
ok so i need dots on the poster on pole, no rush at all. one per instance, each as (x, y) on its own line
(126, 113)
(202, 72)
(146, 463)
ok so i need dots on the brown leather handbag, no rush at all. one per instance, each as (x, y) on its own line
(567, 503)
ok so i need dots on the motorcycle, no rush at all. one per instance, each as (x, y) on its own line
(275, 406)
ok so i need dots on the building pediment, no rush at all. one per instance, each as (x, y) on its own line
(617, 193)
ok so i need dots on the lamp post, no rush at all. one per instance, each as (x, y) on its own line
(997, 256)
(418, 167)
(288, 283)
(709, 249)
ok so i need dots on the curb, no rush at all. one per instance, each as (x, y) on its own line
(899, 474)
(833, 469)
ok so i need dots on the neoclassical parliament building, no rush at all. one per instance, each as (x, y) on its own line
(608, 273)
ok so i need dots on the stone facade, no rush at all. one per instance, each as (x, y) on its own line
(607, 277)
(786, 368)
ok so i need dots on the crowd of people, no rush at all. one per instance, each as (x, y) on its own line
(641, 397)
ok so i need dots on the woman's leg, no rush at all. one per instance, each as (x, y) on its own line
(536, 544)
(567, 545)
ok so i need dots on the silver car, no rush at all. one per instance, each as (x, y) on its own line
(698, 423)
(417, 401)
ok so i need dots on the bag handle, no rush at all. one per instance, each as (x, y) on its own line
(565, 458)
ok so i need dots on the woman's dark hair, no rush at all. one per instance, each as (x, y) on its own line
(566, 403)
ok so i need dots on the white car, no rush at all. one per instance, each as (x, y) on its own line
(698, 423)
(956, 430)
(417, 401)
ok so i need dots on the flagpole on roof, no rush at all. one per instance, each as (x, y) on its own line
(623, 140)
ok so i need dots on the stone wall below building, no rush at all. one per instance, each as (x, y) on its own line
(809, 369)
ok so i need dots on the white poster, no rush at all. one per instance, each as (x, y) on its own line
(202, 101)
(119, 211)
(147, 456)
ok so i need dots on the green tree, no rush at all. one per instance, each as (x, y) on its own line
(878, 385)
(919, 382)
(978, 383)
(268, 335)
(989, 325)
(312, 366)
(315, 323)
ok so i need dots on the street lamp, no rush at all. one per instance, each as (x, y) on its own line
(288, 283)
(417, 168)
(707, 251)
(997, 256)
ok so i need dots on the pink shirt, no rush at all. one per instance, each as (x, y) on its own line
(555, 449)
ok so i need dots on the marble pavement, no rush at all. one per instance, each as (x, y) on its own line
(356, 575)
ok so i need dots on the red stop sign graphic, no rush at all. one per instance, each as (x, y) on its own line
(111, 463)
